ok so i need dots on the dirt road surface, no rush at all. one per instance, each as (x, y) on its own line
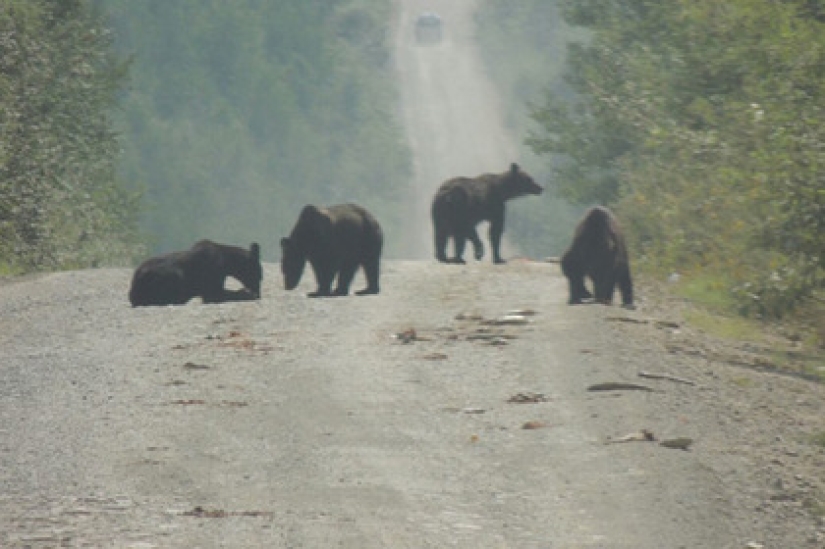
(386, 421)
(424, 417)
(450, 109)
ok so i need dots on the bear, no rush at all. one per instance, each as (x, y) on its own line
(336, 241)
(599, 252)
(175, 278)
(461, 203)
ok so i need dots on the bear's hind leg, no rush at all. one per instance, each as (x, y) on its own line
(478, 246)
(582, 291)
(213, 291)
(626, 287)
(371, 271)
(324, 276)
(578, 292)
(496, 230)
(604, 286)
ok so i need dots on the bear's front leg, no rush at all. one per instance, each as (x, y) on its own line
(459, 242)
(213, 291)
(441, 239)
(478, 246)
(578, 292)
(320, 293)
(496, 230)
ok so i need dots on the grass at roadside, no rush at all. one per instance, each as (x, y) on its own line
(795, 343)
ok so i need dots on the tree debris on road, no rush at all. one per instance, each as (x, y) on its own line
(651, 375)
(681, 443)
(527, 398)
(645, 435)
(619, 386)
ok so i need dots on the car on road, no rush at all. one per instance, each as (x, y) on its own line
(429, 28)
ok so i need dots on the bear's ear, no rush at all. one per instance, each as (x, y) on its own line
(255, 250)
(310, 211)
(514, 168)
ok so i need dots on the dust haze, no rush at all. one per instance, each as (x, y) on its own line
(450, 109)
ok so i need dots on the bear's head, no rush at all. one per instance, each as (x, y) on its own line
(519, 183)
(293, 261)
(250, 272)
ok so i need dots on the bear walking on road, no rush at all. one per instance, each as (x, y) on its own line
(462, 203)
(598, 252)
(201, 271)
(336, 241)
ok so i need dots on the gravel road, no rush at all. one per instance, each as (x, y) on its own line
(412, 419)
(386, 421)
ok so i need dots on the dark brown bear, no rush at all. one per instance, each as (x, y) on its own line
(463, 202)
(177, 277)
(336, 241)
(598, 252)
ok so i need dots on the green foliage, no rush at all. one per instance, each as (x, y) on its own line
(60, 203)
(700, 122)
(523, 47)
(242, 112)
(725, 327)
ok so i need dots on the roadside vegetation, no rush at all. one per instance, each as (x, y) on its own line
(699, 123)
(523, 46)
(62, 204)
(130, 127)
(240, 113)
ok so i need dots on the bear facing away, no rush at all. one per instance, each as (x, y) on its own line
(599, 252)
(336, 241)
(177, 277)
(462, 203)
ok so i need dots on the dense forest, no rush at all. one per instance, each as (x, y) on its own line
(136, 126)
(206, 119)
(700, 122)
(241, 112)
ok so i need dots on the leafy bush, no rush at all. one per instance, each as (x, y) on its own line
(700, 122)
(61, 204)
(522, 45)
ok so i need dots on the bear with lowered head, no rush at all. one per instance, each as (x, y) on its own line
(599, 253)
(177, 277)
(462, 203)
(336, 241)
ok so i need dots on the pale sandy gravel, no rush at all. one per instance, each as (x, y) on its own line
(314, 427)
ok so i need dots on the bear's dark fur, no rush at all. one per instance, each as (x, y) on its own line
(462, 203)
(598, 252)
(177, 277)
(336, 241)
